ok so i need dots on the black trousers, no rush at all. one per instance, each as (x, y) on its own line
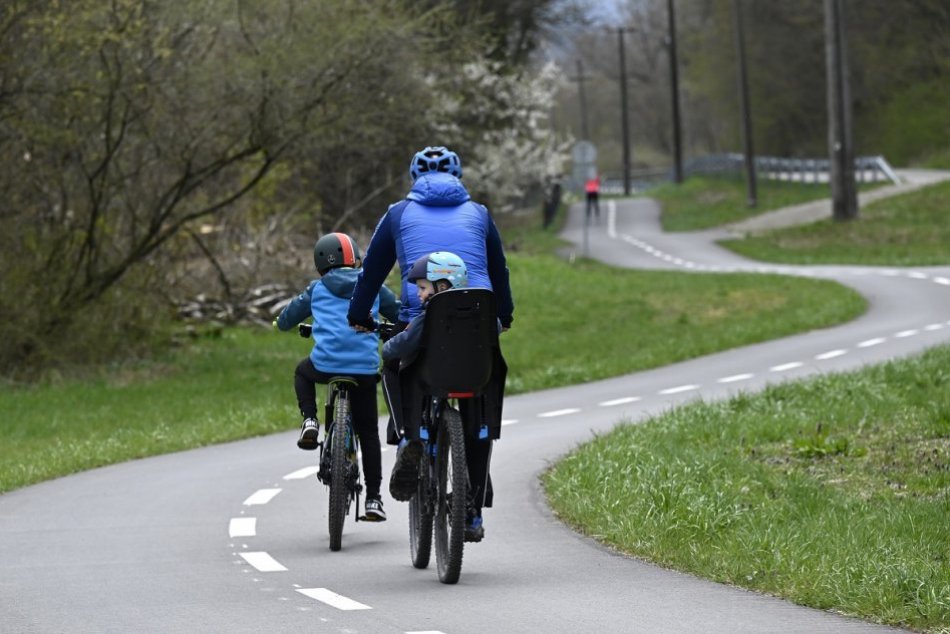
(365, 415)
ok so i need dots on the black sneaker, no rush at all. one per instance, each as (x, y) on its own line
(405, 476)
(374, 510)
(309, 434)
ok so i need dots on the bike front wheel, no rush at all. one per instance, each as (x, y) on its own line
(338, 488)
(452, 474)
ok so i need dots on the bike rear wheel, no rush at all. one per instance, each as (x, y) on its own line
(452, 474)
(420, 518)
(338, 489)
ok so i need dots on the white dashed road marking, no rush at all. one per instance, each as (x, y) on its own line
(508, 421)
(831, 354)
(263, 562)
(559, 412)
(906, 333)
(872, 342)
(242, 527)
(333, 599)
(735, 377)
(301, 474)
(678, 389)
(262, 496)
(620, 401)
(786, 366)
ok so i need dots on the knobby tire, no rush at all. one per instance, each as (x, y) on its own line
(453, 479)
(420, 518)
(338, 489)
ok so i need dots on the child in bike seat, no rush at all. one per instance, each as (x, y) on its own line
(340, 350)
(432, 274)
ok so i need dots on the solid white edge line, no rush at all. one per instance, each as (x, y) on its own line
(300, 474)
(263, 562)
(333, 599)
(678, 389)
(261, 496)
(619, 401)
(786, 366)
(242, 527)
(559, 412)
(872, 342)
(831, 354)
(735, 377)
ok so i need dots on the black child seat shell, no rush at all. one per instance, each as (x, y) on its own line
(460, 354)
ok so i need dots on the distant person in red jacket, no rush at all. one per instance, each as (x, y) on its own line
(592, 187)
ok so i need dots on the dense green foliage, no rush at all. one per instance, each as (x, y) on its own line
(833, 492)
(907, 230)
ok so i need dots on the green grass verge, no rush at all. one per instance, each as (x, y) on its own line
(240, 383)
(832, 492)
(703, 202)
(908, 230)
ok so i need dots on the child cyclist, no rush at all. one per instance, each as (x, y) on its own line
(339, 350)
(432, 274)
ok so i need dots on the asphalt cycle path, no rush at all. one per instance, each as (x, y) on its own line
(233, 538)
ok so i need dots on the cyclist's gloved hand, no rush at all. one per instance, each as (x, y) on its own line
(304, 330)
(366, 325)
(274, 325)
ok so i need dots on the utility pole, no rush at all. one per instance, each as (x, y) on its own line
(675, 97)
(625, 127)
(840, 145)
(745, 113)
(585, 135)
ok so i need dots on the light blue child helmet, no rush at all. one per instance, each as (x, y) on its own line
(435, 159)
(440, 265)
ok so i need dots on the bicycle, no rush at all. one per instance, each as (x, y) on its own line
(339, 455)
(457, 358)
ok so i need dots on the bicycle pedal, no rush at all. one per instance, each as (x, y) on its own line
(367, 518)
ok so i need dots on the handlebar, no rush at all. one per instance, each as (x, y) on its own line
(386, 330)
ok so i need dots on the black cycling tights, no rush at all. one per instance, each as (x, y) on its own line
(365, 415)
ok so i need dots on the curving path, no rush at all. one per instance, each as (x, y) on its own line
(232, 538)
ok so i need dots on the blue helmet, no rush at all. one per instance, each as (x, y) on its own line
(435, 159)
(440, 265)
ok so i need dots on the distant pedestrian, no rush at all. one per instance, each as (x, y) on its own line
(592, 187)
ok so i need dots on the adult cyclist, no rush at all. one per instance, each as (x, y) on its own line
(438, 214)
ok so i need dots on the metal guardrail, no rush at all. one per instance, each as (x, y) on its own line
(867, 169)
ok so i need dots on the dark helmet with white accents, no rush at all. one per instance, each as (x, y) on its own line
(335, 250)
(435, 159)
(439, 266)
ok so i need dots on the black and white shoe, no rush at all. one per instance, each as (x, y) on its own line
(309, 434)
(374, 510)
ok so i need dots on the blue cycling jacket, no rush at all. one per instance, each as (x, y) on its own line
(437, 215)
(337, 348)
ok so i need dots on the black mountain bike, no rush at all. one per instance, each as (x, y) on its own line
(339, 455)
(455, 363)
(339, 462)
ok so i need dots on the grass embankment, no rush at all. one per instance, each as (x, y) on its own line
(703, 202)
(908, 230)
(572, 323)
(833, 492)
